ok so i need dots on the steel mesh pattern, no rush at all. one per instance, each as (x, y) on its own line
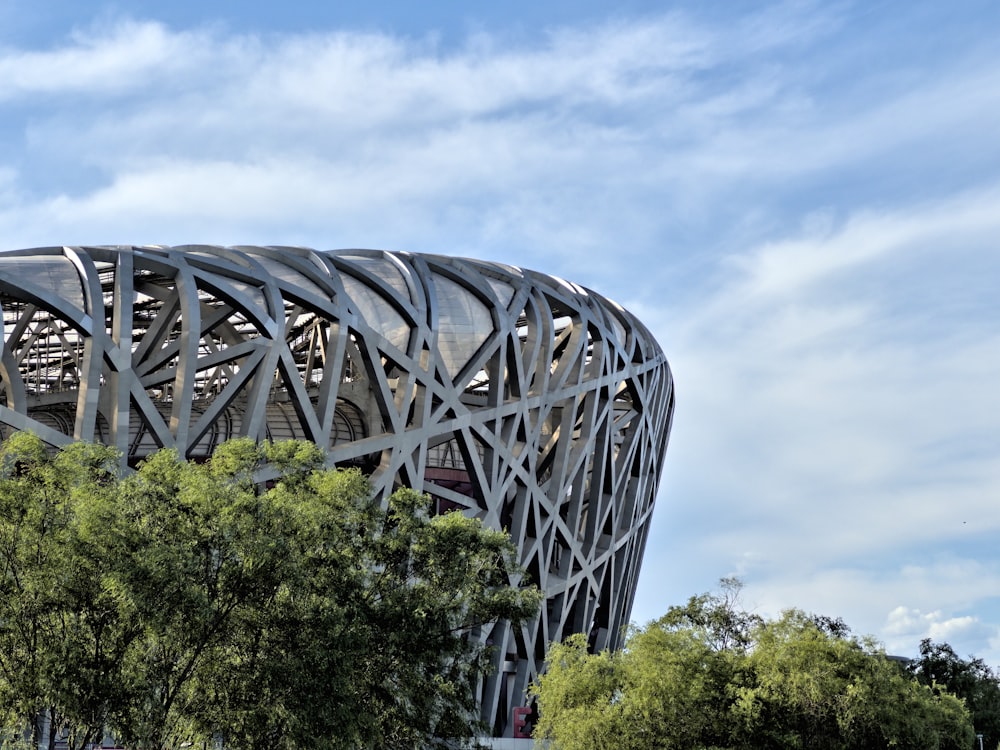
(530, 402)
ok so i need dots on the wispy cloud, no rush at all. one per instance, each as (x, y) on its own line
(907, 626)
(803, 213)
(126, 58)
(842, 414)
(589, 119)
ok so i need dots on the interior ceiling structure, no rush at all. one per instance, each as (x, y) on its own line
(534, 404)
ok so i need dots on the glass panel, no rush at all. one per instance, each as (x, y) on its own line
(378, 313)
(463, 323)
(55, 274)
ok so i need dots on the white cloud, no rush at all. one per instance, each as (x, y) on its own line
(791, 267)
(126, 57)
(626, 131)
(906, 627)
(816, 254)
(837, 413)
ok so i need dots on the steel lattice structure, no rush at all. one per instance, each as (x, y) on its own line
(530, 402)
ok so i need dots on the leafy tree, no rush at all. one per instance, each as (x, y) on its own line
(668, 688)
(197, 550)
(808, 687)
(709, 675)
(717, 617)
(57, 645)
(969, 679)
(394, 645)
(578, 697)
(185, 602)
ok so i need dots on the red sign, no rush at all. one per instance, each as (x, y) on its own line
(521, 714)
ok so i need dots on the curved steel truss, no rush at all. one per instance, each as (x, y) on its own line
(528, 401)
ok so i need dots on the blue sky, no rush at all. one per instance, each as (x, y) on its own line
(801, 199)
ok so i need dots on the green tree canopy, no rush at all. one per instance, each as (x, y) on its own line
(805, 686)
(185, 602)
(708, 675)
(970, 679)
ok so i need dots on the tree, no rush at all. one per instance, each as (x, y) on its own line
(198, 552)
(709, 675)
(578, 697)
(969, 679)
(57, 643)
(32, 527)
(668, 687)
(716, 617)
(382, 615)
(806, 686)
(187, 602)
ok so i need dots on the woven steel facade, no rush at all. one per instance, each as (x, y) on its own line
(527, 401)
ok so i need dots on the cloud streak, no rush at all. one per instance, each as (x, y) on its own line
(125, 58)
(812, 241)
(851, 421)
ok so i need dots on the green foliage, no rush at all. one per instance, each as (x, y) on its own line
(808, 687)
(716, 618)
(969, 679)
(184, 602)
(708, 675)
(579, 697)
(667, 689)
(55, 642)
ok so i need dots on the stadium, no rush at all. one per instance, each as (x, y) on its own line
(527, 401)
